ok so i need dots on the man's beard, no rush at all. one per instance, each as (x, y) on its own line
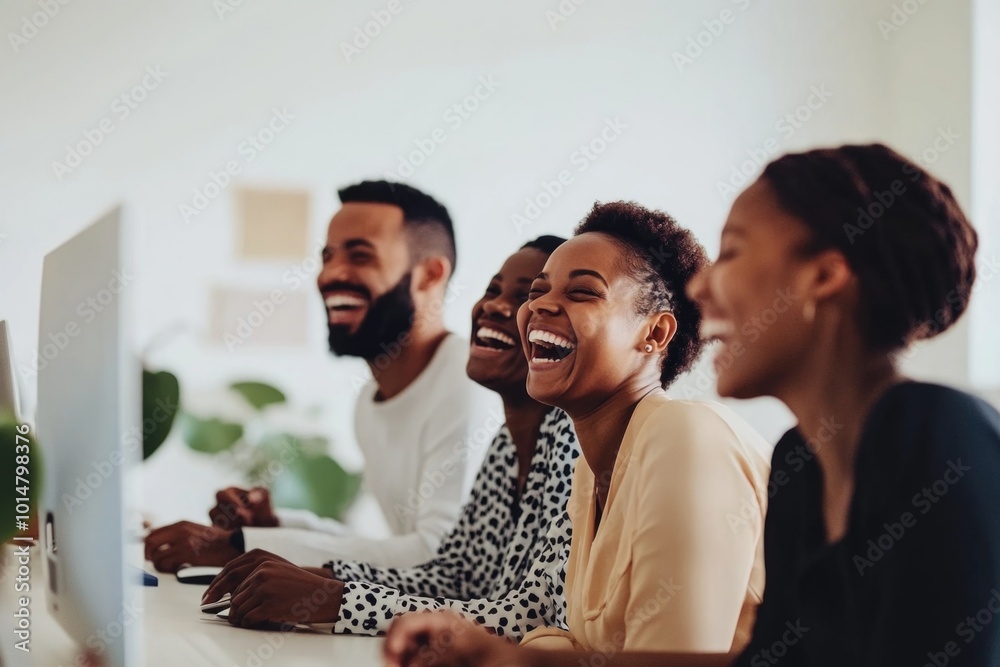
(388, 318)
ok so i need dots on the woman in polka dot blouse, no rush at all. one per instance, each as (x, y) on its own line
(503, 564)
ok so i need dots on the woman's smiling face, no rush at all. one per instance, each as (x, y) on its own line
(752, 296)
(579, 328)
(496, 359)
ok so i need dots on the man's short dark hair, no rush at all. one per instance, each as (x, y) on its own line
(428, 226)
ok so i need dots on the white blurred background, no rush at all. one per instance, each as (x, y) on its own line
(909, 73)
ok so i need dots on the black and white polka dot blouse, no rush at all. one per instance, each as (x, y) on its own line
(502, 565)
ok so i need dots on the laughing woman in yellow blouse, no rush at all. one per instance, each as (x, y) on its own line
(669, 497)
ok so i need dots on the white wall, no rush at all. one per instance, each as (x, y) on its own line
(686, 128)
(985, 371)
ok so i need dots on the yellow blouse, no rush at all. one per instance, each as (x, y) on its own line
(677, 563)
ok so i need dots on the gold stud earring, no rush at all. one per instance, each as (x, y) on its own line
(809, 311)
(648, 348)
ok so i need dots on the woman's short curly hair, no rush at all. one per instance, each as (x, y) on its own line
(902, 231)
(661, 256)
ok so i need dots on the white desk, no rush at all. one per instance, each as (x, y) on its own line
(175, 632)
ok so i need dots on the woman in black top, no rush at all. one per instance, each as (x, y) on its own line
(881, 542)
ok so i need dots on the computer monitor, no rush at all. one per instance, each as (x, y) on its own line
(88, 399)
(8, 383)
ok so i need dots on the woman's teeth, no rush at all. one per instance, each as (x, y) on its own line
(538, 336)
(549, 347)
(485, 334)
(715, 329)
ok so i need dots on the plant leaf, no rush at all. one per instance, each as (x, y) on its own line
(274, 446)
(211, 435)
(316, 483)
(161, 396)
(258, 394)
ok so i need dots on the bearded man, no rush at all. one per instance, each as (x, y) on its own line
(389, 255)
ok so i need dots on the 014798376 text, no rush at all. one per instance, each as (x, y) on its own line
(22, 555)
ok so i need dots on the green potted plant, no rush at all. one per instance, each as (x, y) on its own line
(295, 468)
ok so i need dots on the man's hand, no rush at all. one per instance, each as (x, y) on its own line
(236, 508)
(189, 543)
(445, 638)
(279, 592)
(236, 571)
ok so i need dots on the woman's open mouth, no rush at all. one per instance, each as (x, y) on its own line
(721, 331)
(549, 348)
(715, 329)
(488, 340)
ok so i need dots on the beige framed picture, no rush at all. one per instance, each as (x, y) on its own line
(272, 224)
